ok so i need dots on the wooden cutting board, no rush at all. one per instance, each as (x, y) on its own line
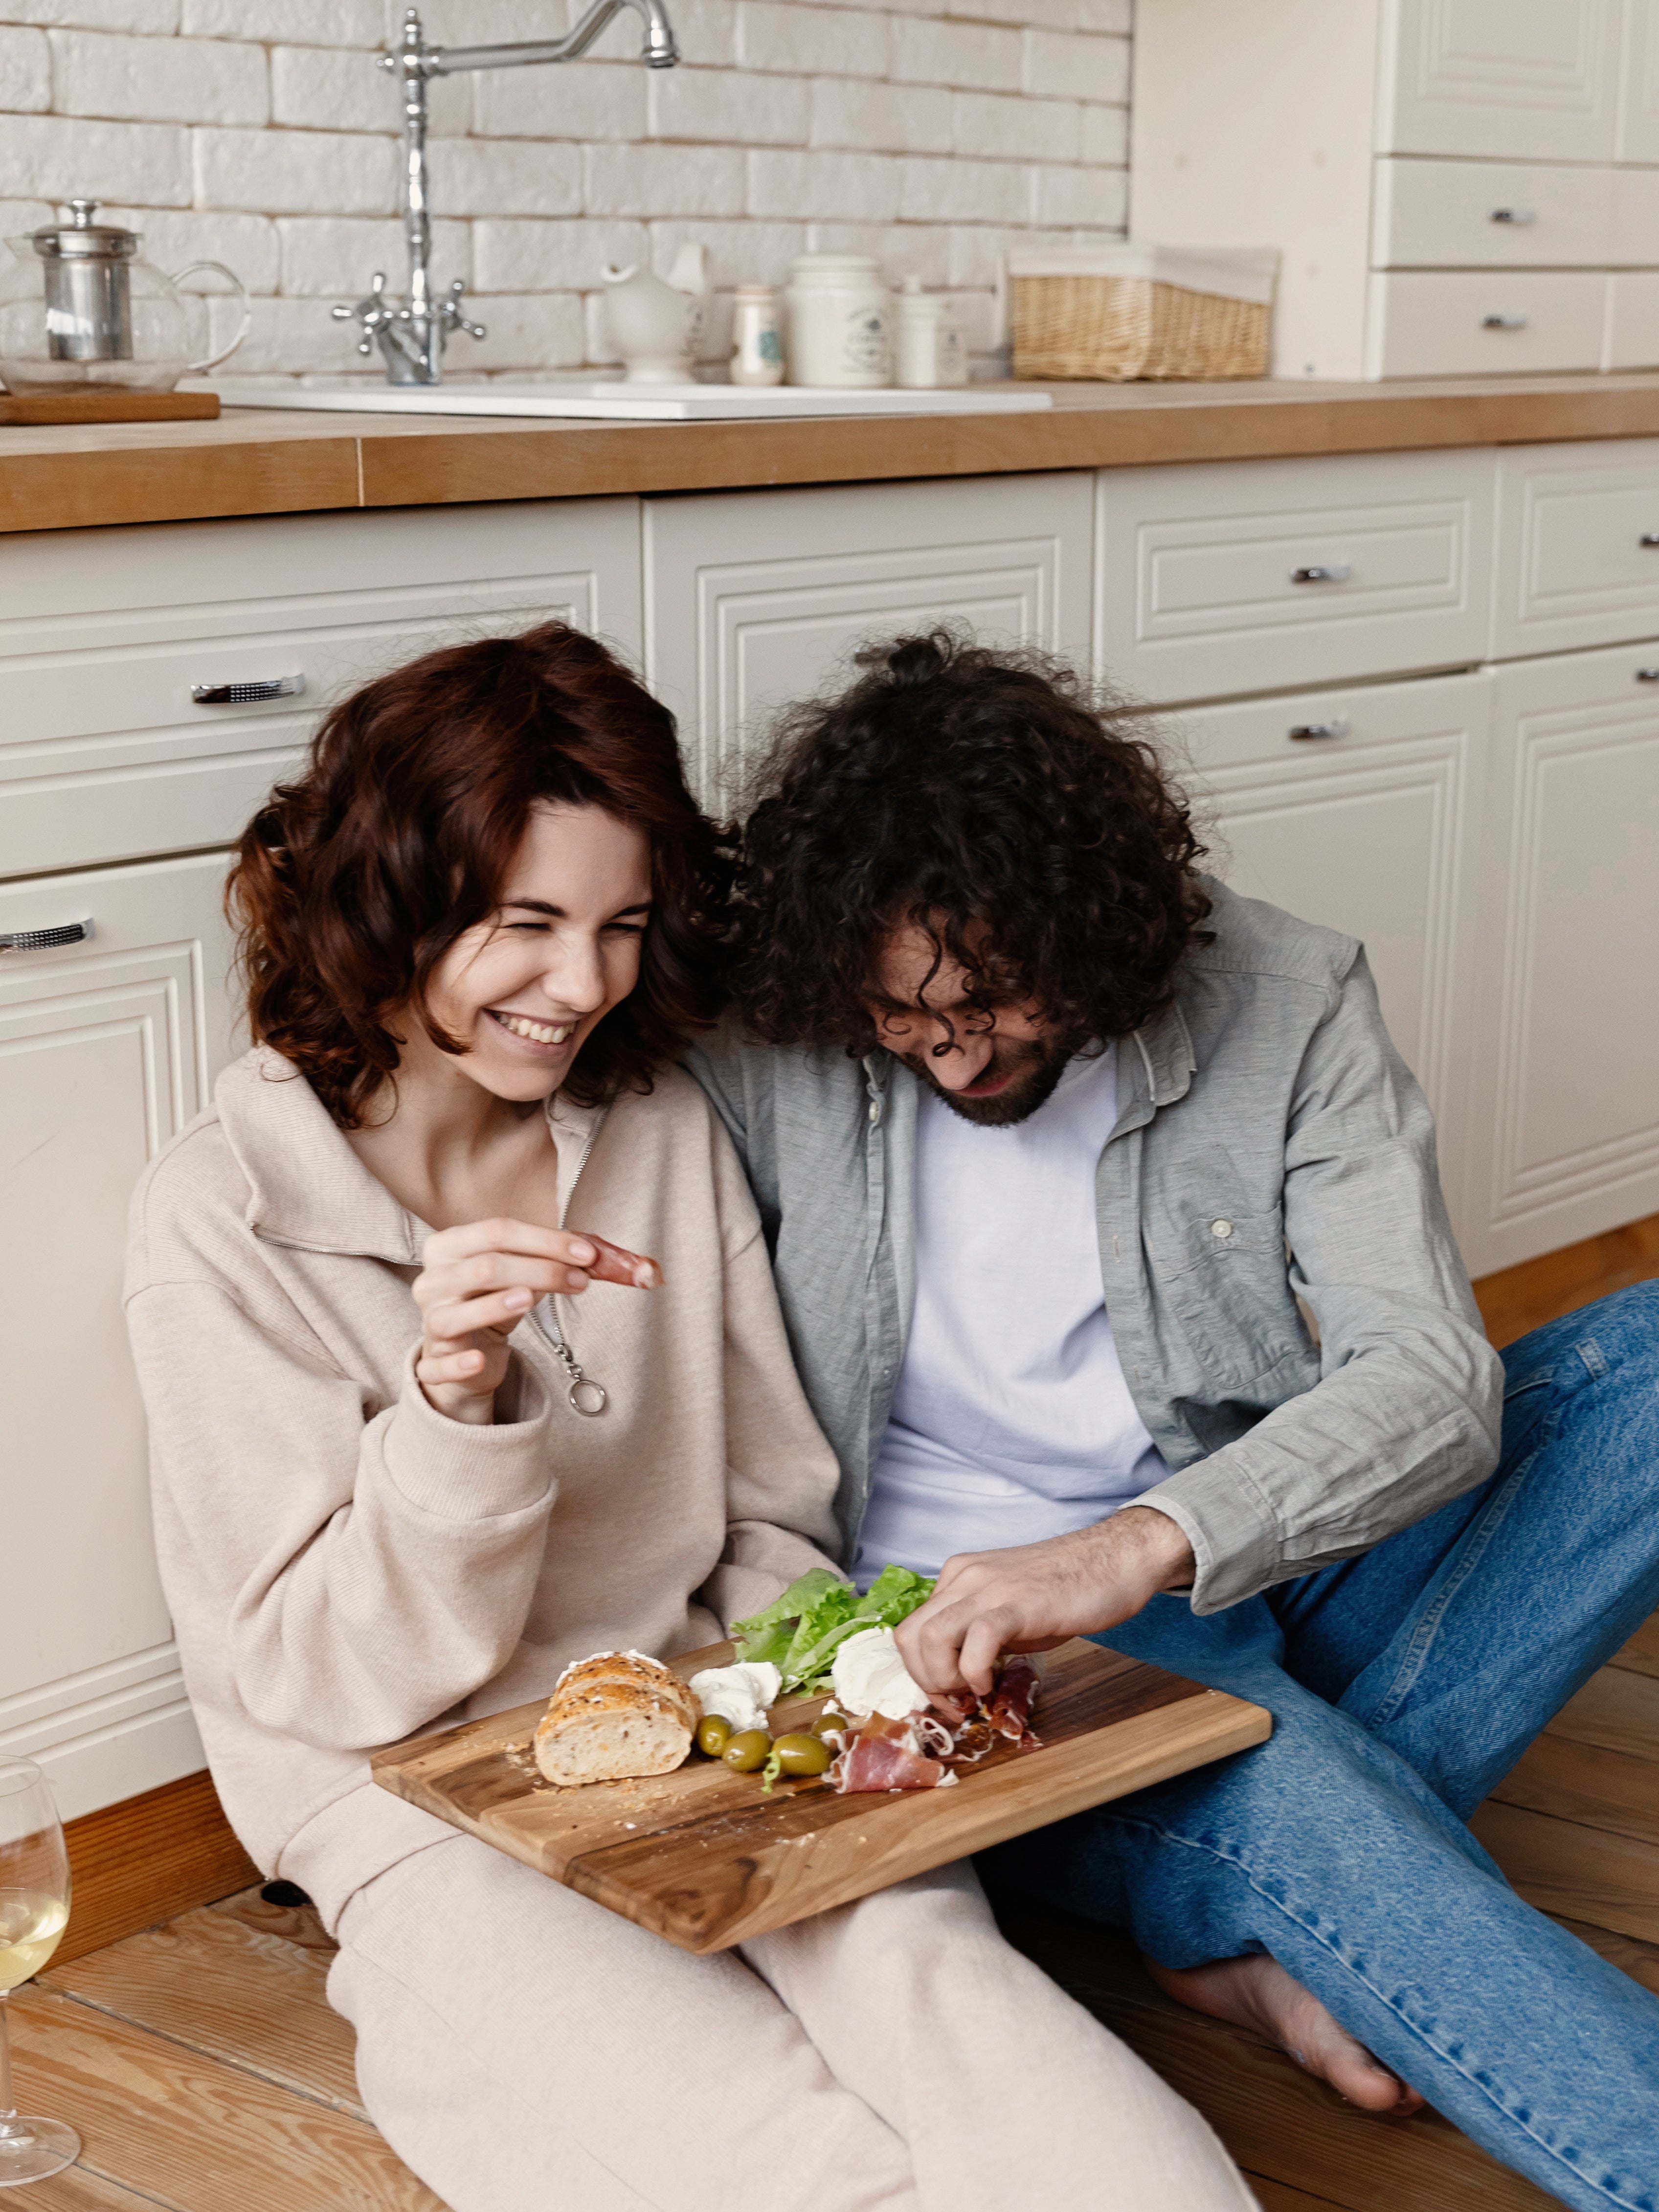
(101, 406)
(703, 1857)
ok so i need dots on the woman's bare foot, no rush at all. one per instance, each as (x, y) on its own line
(1256, 1992)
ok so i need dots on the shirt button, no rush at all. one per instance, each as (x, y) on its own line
(875, 1113)
(1221, 1228)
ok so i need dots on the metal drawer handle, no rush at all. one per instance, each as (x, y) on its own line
(1302, 733)
(245, 694)
(48, 940)
(1338, 572)
(1648, 538)
(1512, 215)
(1647, 675)
(1504, 322)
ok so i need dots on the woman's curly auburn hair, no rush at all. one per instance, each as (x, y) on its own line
(353, 882)
(979, 794)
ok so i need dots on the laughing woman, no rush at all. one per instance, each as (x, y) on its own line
(411, 1457)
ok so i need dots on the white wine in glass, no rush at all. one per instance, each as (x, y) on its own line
(34, 1902)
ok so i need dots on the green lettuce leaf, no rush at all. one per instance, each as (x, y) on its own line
(801, 1632)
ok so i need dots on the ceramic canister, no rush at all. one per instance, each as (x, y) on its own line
(757, 339)
(840, 316)
(928, 346)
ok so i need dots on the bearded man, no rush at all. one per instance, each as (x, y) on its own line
(1107, 1231)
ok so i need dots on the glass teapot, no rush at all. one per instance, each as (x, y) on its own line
(79, 310)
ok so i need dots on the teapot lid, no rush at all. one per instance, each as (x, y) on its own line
(80, 239)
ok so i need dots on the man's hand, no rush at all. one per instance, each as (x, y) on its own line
(1033, 1597)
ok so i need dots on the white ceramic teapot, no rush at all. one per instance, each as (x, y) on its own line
(655, 324)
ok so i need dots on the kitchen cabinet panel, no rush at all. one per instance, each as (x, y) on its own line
(1361, 810)
(1632, 327)
(1638, 114)
(1477, 322)
(106, 1048)
(106, 755)
(1237, 576)
(1566, 1106)
(1578, 546)
(1532, 80)
(1499, 215)
(756, 599)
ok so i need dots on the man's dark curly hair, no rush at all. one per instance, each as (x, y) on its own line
(983, 795)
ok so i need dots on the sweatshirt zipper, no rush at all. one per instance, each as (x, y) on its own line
(586, 1397)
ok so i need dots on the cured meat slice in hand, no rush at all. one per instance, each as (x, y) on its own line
(613, 1264)
(1008, 1708)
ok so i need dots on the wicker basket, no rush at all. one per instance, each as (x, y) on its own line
(1125, 311)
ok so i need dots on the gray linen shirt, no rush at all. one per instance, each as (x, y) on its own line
(1271, 1145)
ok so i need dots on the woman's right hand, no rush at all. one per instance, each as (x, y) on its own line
(477, 1284)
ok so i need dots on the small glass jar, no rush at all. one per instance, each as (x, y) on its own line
(840, 323)
(757, 335)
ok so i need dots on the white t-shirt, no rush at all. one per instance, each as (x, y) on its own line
(1012, 1421)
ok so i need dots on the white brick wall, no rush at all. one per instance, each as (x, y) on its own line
(933, 133)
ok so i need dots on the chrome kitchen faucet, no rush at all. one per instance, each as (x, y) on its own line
(411, 333)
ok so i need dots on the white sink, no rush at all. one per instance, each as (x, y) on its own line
(625, 403)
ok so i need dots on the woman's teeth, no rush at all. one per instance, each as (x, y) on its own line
(537, 1032)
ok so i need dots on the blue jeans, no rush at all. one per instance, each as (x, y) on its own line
(1403, 1685)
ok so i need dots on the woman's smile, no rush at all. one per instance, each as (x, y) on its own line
(541, 1036)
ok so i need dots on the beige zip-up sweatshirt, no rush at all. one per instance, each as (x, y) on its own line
(347, 1566)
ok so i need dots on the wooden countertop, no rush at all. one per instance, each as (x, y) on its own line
(254, 461)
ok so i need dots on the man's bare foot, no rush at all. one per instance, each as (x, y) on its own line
(1256, 1992)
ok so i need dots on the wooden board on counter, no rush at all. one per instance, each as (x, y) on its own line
(255, 462)
(96, 406)
(704, 1858)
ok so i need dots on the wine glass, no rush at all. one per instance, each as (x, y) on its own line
(34, 1902)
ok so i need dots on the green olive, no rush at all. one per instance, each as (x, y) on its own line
(803, 1754)
(746, 1754)
(829, 1718)
(713, 1733)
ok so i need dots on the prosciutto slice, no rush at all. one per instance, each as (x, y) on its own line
(887, 1754)
(614, 1264)
(1008, 1708)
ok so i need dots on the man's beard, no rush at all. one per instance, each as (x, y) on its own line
(1034, 1066)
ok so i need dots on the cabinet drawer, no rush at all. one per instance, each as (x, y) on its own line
(1635, 233)
(1240, 576)
(1475, 214)
(1632, 335)
(1472, 322)
(1373, 830)
(1578, 546)
(105, 753)
(1533, 80)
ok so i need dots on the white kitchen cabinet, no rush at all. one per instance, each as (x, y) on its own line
(104, 633)
(1361, 809)
(1466, 322)
(1233, 576)
(1532, 80)
(106, 1048)
(1461, 137)
(1564, 1124)
(1578, 546)
(756, 599)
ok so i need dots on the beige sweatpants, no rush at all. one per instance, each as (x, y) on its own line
(526, 2051)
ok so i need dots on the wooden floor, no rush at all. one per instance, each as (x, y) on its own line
(206, 2073)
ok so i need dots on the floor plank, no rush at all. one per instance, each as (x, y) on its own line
(1639, 1960)
(1582, 1782)
(222, 1988)
(1277, 2121)
(203, 2135)
(1641, 1654)
(1521, 1298)
(1618, 1710)
(1277, 2196)
(74, 2190)
(1575, 1872)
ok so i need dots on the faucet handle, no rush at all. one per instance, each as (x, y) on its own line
(449, 313)
(373, 311)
